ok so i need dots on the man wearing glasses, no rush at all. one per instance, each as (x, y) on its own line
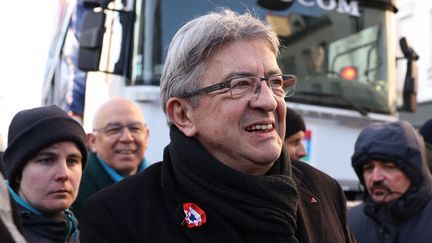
(117, 146)
(225, 176)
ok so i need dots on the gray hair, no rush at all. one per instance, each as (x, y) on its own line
(196, 40)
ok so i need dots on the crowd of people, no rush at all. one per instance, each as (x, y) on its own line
(232, 171)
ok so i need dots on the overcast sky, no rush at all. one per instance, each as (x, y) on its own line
(26, 28)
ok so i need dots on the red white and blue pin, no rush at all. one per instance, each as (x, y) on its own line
(195, 216)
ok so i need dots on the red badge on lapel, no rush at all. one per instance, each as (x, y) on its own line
(195, 216)
(313, 200)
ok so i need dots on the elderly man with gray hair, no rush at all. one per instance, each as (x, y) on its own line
(225, 176)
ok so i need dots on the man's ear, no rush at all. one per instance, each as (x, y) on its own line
(91, 142)
(180, 113)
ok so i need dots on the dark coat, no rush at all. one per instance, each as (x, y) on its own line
(56, 228)
(407, 219)
(93, 179)
(366, 229)
(326, 220)
(148, 208)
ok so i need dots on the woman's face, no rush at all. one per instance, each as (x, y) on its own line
(50, 180)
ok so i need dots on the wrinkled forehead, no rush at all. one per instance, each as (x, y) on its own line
(240, 58)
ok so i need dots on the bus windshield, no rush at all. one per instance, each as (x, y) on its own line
(336, 48)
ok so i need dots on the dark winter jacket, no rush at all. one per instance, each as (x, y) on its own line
(407, 219)
(93, 179)
(57, 228)
(192, 197)
(324, 220)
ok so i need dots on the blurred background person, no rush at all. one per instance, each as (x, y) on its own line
(294, 135)
(44, 159)
(390, 162)
(117, 147)
(314, 185)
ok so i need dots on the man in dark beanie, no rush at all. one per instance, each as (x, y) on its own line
(426, 132)
(390, 162)
(314, 185)
(44, 159)
(294, 134)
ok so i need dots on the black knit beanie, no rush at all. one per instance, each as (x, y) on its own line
(32, 130)
(426, 131)
(294, 123)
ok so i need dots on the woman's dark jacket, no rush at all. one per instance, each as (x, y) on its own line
(56, 228)
(409, 218)
(288, 204)
(93, 179)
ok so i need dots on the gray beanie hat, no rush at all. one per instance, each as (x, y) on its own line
(34, 129)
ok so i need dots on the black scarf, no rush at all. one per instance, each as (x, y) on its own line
(261, 204)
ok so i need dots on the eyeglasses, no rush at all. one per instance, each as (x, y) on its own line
(247, 88)
(115, 130)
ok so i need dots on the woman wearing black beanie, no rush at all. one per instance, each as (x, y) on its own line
(44, 159)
